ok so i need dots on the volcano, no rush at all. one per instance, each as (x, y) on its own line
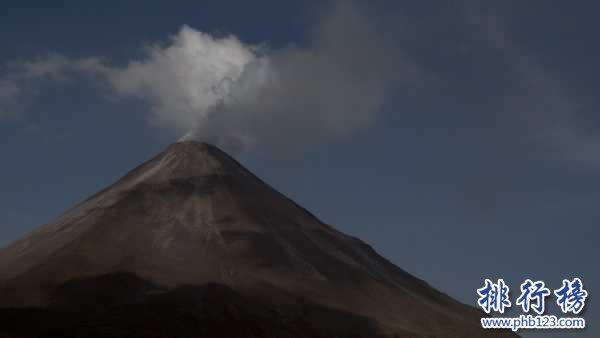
(191, 244)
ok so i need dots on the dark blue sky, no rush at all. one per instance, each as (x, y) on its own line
(484, 164)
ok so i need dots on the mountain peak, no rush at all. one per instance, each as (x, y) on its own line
(195, 149)
(192, 143)
(186, 159)
(193, 216)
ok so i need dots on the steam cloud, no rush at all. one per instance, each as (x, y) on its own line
(237, 95)
(185, 80)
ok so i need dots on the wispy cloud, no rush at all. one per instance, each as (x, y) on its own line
(20, 81)
(9, 91)
(551, 113)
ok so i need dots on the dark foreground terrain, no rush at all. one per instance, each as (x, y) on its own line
(122, 305)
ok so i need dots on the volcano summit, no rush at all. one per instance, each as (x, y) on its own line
(191, 244)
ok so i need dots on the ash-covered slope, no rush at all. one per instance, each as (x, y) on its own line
(193, 216)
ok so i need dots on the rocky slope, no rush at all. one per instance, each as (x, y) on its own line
(191, 231)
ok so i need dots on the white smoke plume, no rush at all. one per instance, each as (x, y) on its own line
(237, 95)
(221, 90)
(185, 80)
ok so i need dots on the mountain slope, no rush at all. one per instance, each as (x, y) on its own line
(194, 216)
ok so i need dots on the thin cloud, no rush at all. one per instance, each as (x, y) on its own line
(552, 117)
(21, 81)
(9, 91)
